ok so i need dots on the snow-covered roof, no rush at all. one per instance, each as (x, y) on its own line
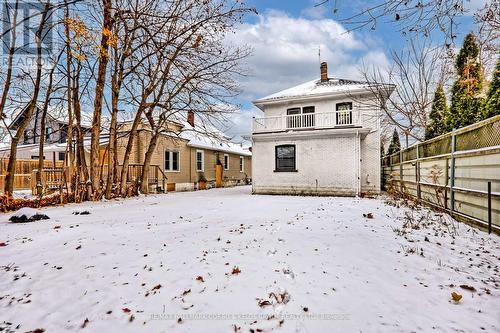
(318, 88)
(211, 138)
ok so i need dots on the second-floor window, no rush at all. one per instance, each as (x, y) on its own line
(300, 117)
(344, 113)
(48, 133)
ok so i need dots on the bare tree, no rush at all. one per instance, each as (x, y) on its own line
(414, 73)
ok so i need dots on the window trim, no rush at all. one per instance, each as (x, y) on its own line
(226, 165)
(294, 169)
(171, 160)
(202, 160)
(349, 111)
(242, 164)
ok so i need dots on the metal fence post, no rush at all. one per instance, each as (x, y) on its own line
(417, 173)
(452, 171)
(401, 171)
(489, 207)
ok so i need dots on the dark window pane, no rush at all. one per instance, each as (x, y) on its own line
(285, 158)
(167, 160)
(308, 109)
(344, 106)
(293, 111)
(175, 161)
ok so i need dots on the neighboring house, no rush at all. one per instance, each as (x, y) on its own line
(187, 154)
(56, 135)
(318, 138)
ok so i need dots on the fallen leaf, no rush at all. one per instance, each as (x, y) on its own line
(263, 302)
(456, 297)
(236, 270)
(126, 310)
(57, 227)
(3, 244)
(85, 322)
(200, 278)
(368, 216)
(78, 247)
(131, 319)
(185, 292)
(158, 286)
(467, 287)
(179, 321)
(305, 309)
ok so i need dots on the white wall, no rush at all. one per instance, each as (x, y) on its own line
(326, 164)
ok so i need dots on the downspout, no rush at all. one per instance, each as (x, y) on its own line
(359, 163)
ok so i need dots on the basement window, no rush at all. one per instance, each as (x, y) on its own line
(285, 158)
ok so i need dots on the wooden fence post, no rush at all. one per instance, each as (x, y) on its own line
(452, 171)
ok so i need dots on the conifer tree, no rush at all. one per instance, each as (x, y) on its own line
(465, 94)
(395, 144)
(436, 125)
(492, 103)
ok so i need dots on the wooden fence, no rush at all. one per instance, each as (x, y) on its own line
(458, 172)
(23, 172)
(54, 179)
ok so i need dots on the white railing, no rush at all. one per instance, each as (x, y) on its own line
(307, 121)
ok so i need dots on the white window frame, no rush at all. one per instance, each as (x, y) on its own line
(171, 160)
(202, 160)
(226, 165)
(242, 164)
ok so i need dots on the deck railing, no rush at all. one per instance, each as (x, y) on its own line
(307, 121)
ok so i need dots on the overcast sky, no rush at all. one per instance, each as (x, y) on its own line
(285, 37)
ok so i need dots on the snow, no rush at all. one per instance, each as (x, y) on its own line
(26, 211)
(154, 259)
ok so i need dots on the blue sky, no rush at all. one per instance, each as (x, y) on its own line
(285, 37)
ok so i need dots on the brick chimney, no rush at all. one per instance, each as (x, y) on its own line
(324, 72)
(190, 118)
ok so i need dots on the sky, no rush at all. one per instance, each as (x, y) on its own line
(285, 37)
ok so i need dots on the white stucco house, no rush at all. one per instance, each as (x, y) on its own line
(321, 137)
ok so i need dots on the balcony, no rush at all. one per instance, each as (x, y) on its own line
(307, 121)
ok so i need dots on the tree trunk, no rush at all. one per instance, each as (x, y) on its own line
(71, 158)
(99, 93)
(43, 118)
(128, 150)
(28, 113)
(81, 163)
(12, 49)
(147, 162)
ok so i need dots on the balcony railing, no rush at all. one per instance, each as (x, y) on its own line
(307, 121)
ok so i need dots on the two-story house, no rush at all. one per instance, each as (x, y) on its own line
(321, 137)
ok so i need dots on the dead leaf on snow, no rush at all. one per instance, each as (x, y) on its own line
(126, 310)
(158, 286)
(467, 287)
(200, 278)
(185, 292)
(236, 270)
(3, 244)
(85, 322)
(456, 297)
(368, 215)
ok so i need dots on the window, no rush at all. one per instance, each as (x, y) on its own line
(48, 133)
(285, 158)
(344, 113)
(171, 160)
(226, 162)
(27, 136)
(242, 164)
(200, 163)
(300, 117)
(61, 156)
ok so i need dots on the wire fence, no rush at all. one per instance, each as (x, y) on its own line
(458, 172)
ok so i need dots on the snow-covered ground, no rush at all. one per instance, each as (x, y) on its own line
(225, 261)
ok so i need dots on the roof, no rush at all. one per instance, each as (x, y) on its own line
(213, 139)
(317, 88)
